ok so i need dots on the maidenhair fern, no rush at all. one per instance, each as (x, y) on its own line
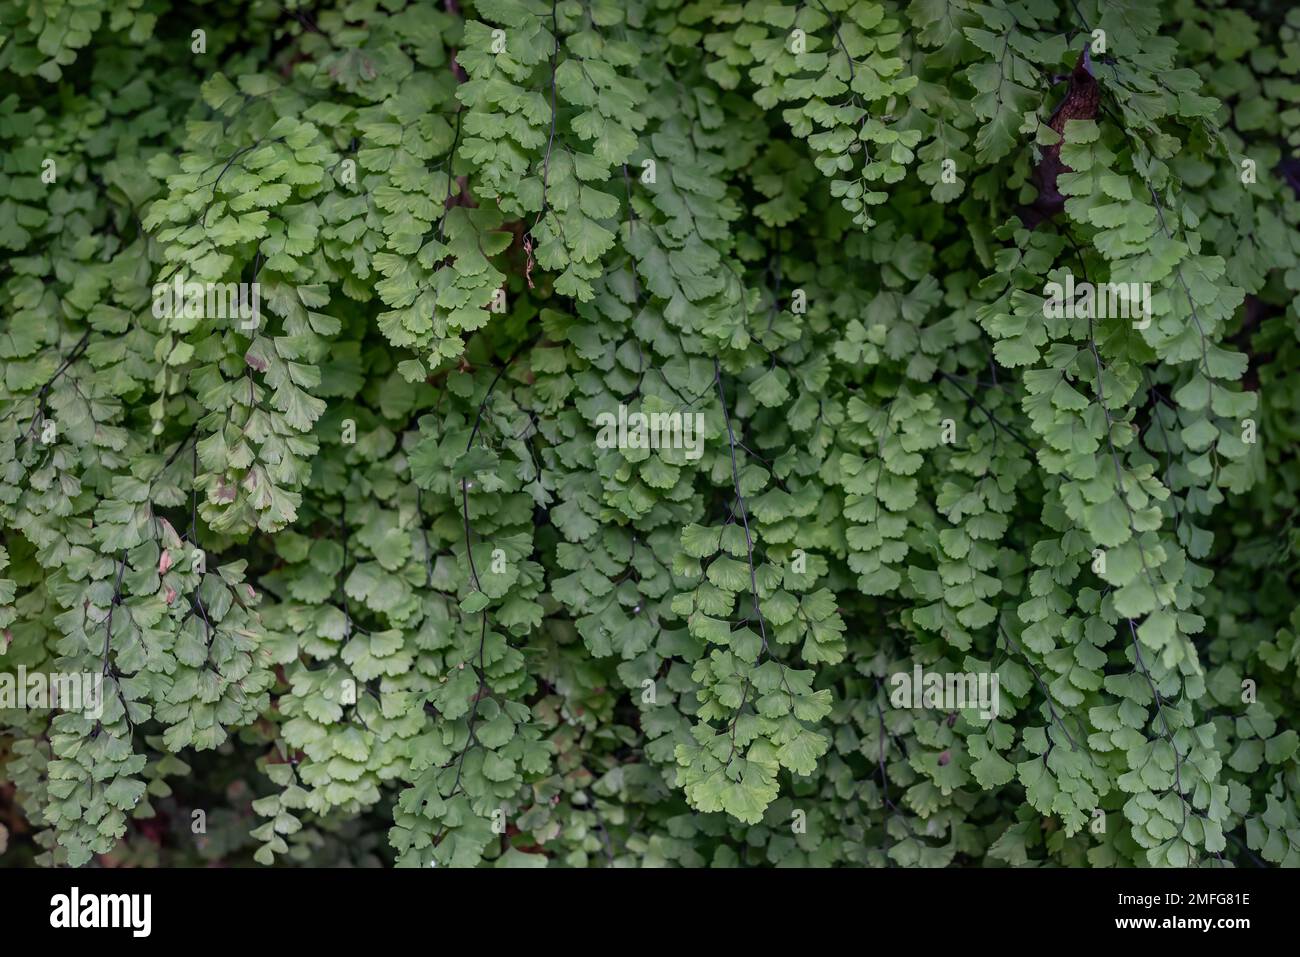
(552, 432)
